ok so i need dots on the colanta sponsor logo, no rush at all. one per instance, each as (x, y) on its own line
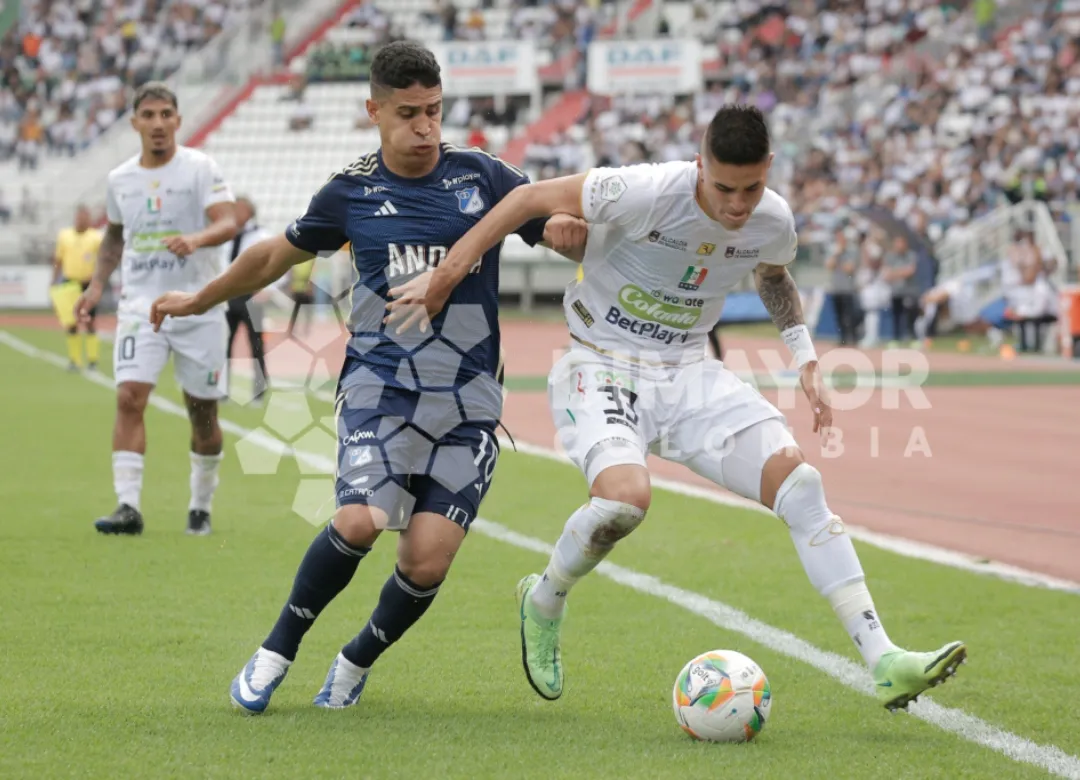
(640, 304)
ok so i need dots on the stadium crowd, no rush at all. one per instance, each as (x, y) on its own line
(66, 68)
(876, 103)
(955, 135)
(959, 128)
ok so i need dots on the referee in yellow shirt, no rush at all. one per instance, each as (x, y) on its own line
(76, 254)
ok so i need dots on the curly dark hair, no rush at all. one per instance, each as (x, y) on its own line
(738, 135)
(400, 65)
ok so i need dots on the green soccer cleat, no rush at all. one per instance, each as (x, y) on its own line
(902, 676)
(540, 654)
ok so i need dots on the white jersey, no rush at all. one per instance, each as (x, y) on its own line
(657, 268)
(153, 204)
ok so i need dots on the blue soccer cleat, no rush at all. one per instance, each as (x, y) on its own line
(344, 684)
(252, 688)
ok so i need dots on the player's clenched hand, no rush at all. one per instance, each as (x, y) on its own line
(565, 233)
(181, 246)
(817, 395)
(88, 300)
(412, 305)
(172, 304)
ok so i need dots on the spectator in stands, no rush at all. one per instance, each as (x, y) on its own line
(473, 29)
(448, 16)
(31, 135)
(277, 37)
(65, 69)
(842, 265)
(5, 209)
(9, 138)
(899, 266)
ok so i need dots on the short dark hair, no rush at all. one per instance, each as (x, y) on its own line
(154, 90)
(738, 135)
(401, 64)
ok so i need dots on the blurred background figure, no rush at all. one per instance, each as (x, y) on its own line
(73, 268)
(302, 291)
(874, 291)
(1032, 298)
(898, 270)
(842, 266)
(244, 310)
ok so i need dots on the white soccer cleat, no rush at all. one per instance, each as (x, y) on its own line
(344, 684)
(252, 688)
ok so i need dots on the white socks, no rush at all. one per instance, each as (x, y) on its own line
(855, 608)
(128, 473)
(830, 560)
(127, 477)
(590, 534)
(824, 548)
(204, 480)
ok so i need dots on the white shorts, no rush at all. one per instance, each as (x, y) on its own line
(610, 413)
(140, 354)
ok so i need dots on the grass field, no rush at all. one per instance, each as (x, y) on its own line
(118, 653)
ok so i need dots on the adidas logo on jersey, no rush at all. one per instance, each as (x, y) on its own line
(386, 210)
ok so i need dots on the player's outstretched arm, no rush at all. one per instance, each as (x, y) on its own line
(781, 298)
(530, 201)
(222, 228)
(257, 266)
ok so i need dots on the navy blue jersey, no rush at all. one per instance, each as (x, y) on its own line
(397, 228)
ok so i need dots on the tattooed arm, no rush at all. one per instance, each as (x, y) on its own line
(781, 298)
(109, 255)
(779, 294)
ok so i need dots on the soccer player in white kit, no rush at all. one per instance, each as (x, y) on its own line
(168, 209)
(675, 238)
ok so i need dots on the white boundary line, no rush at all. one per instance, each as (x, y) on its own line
(844, 670)
(897, 545)
(893, 544)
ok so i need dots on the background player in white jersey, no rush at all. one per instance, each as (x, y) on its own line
(167, 209)
(678, 237)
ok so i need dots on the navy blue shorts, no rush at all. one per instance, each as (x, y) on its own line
(405, 452)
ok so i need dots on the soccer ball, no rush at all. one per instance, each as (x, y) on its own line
(722, 696)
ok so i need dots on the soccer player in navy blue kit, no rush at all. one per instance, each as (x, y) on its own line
(416, 412)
